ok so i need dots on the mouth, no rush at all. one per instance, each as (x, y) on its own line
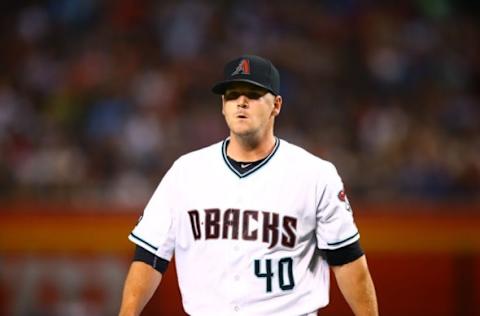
(241, 116)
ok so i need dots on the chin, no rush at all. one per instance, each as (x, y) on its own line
(245, 134)
(242, 133)
(241, 130)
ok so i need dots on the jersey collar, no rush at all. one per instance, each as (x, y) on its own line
(260, 165)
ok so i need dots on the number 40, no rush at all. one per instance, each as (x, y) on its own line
(268, 274)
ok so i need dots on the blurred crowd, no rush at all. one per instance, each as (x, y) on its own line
(97, 98)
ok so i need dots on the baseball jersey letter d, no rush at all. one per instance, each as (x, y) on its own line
(195, 222)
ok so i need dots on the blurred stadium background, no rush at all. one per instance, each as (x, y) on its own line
(97, 98)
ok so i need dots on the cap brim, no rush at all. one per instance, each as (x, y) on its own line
(220, 87)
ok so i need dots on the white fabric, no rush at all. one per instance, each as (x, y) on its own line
(216, 271)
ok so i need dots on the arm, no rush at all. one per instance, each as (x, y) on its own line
(356, 285)
(142, 281)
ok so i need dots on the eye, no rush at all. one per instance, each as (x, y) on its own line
(252, 95)
(231, 95)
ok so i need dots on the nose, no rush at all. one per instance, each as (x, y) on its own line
(242, 101)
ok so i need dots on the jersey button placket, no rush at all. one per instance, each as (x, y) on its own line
(235, 250)
(239, 204)
(237, 289)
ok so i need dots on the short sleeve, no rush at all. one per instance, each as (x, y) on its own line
(335, 223)
(155, 230)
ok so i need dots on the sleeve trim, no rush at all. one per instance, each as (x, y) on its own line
(343, 241)
(135, 238)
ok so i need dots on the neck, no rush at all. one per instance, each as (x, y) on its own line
(245, 149)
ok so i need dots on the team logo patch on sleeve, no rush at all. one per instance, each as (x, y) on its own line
(342, 196)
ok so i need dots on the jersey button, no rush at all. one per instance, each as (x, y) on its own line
(236, 308)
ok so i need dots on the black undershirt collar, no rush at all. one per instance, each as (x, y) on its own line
(244, 167)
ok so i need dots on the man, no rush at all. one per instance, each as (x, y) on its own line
(254, 221)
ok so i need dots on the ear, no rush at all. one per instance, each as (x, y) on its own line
(277, 105)
(223, 105)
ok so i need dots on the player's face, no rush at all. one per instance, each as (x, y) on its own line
(250, 110)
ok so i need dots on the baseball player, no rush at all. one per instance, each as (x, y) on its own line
(254, 221)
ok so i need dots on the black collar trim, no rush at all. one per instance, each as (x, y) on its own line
(249, 172)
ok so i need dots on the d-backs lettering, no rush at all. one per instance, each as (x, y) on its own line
(268, 227)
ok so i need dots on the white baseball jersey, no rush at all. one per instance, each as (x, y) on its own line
(249, 244)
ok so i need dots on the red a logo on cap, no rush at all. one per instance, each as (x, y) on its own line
(242, 68)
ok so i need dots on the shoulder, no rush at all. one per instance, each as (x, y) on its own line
(302, 158)
(199, 156)
(191, 166)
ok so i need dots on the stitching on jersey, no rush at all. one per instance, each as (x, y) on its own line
(264, 162)
(143, 241)
(341, 242)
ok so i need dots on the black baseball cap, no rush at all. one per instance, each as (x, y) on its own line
(251, 69)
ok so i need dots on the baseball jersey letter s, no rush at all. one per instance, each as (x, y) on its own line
(289, 237)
